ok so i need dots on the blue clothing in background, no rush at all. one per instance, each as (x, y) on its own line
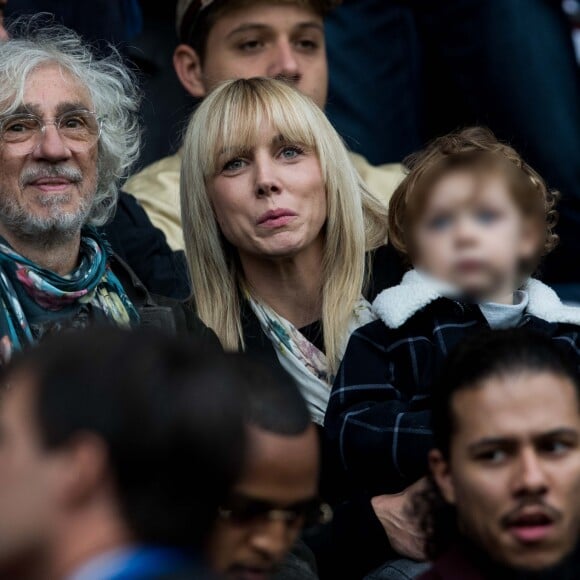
(140, 563)
(115, 21)
(403, 72)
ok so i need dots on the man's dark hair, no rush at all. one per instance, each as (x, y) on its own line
(271, 400)
(195, 27)
(490, 354)
(166, 409)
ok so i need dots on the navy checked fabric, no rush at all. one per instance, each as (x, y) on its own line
(378, 417)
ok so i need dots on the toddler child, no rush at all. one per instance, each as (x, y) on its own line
(473, 220)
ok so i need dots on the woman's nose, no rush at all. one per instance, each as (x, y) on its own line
(267, 182)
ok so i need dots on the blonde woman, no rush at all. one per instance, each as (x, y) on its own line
(277, 224)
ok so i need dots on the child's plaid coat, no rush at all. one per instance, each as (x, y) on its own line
(378, 417)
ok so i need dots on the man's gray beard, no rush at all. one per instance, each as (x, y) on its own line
(47, 231)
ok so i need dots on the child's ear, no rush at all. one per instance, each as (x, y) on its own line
(531, 239)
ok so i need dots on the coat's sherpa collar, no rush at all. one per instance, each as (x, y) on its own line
(394, 306)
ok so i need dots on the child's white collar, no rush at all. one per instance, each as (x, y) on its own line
(394, 306)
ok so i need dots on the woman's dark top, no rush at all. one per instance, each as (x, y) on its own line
(355, 542)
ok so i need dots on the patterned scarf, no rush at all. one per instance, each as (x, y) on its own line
(300, 358)
(26, 287)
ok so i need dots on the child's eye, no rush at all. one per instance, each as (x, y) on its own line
(439, 223)
(486, 216)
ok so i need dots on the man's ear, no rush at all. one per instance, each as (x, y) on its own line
(187, 65)
(84, 469)
(441, 473)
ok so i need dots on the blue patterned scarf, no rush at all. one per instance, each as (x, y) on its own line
(29, 292)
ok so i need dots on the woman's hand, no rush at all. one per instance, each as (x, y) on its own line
(401, 526)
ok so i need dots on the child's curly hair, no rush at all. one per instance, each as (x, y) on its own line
(474, 148)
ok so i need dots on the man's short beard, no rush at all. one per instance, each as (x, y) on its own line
(57, 226)
(48, 231)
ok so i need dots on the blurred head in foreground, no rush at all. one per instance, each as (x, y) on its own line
(110, 441)
(276, 496)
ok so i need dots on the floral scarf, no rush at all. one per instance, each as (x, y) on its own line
(300, 358)
(28, 291)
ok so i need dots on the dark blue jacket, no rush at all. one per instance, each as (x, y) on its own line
(379, 414)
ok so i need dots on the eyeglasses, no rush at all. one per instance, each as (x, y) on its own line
(246, 511)
(79, 129)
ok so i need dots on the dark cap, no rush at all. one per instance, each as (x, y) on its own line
(191, 13)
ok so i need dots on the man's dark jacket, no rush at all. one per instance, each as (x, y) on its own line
(144, 248)
(159, 312)
(463, 561)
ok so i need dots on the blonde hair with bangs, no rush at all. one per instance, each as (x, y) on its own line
(231, 118)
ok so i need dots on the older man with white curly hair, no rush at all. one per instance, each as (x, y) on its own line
(68, 134)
